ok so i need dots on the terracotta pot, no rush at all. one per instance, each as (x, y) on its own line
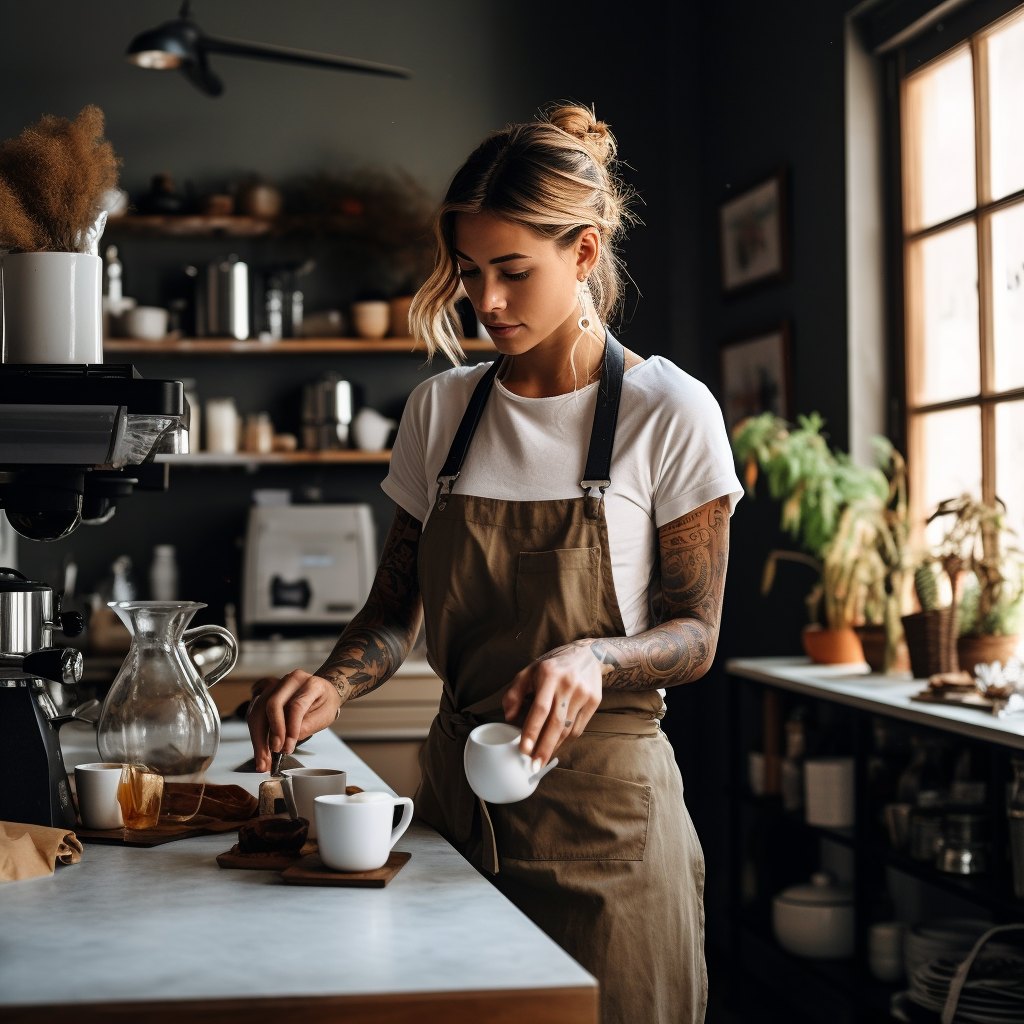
(872, 640)
(982, 650)
(832, 646)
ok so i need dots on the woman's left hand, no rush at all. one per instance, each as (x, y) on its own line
(566, 689)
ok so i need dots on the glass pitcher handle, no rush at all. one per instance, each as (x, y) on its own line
(227, 663)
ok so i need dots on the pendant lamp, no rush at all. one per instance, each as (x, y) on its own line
(182, 45)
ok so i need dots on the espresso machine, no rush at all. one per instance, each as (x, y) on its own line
(75, 439)
(36, 790)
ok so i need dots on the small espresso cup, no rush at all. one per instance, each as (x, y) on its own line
(301, 786)
(354, 833)
(96, 785)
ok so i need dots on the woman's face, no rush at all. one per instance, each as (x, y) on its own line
(524, 287)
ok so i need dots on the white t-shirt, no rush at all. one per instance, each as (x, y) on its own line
(671, 455)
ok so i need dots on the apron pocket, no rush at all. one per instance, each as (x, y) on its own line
(575, 816)
(557, 595)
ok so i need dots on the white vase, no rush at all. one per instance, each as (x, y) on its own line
(52, 307)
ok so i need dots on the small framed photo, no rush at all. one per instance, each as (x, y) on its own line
(752, 233)
(757, 375)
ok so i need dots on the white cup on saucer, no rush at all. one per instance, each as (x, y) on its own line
(354, 833)
(301, 786)
(96, 785)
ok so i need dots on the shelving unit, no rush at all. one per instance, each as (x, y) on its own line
(349, 456)
(290, 346)
(771, 848)
(233, 226)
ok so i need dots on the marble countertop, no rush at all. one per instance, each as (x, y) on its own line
(167, 924)
(857, 686)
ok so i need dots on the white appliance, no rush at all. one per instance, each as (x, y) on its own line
(307, 565)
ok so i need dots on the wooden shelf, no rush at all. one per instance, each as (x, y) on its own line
(348, 456)
(234, 226)
(291, 346)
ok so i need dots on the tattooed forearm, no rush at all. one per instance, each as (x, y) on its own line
(379, 637)
(694, 556)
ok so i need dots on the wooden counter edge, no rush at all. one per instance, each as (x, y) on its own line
(500, 1006)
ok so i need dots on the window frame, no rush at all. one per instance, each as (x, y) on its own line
(903, 307)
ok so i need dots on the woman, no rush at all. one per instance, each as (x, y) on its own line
(562, 527)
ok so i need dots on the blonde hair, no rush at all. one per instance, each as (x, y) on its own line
(555, 175)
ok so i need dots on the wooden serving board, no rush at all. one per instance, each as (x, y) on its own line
(311, 870)
(967, 699)
(264, 860)
(153, 836)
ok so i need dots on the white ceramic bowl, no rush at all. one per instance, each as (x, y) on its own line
(371, 319)
(147, 323)
(496, 769)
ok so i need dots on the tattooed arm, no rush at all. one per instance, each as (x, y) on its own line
(694, 556)
(567, 682)
(371, 647)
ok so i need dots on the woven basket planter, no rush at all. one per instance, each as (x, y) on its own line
(931, 642)
(983, 650)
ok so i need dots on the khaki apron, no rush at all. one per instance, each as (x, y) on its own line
(603, 857)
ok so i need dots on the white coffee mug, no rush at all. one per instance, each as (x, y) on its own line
(96, 784)
(52, 307)
(301, 786)
(497, 770)
(354, 833)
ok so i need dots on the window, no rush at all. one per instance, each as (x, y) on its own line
(963, 247)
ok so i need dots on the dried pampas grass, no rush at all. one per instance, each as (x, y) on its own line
(53, 178)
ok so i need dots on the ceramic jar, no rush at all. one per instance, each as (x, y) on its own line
(815, 920)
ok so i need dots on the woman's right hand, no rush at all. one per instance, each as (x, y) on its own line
(283, 710)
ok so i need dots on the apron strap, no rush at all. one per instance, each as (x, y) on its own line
(606, 415)
(467, 428)
(602, 435)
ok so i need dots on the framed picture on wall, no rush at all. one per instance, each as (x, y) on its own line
(757, 375)
(752, 234)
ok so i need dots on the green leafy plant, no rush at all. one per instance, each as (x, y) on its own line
(979, 544)
(850, 520)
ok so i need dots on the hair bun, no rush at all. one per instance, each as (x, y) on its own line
(581, 123)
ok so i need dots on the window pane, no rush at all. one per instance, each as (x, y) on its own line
(1008, 295)
(1006, 107)
(949, 447)
(1010, 461)
(944, 315)
(940, 142)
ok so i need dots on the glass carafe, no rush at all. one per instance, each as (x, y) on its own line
(158, 715)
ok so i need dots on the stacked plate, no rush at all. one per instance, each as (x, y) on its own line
(992, 994)
(925, 942)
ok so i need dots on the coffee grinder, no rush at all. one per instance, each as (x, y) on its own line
(35, 790)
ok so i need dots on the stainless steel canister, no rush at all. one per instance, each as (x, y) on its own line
(227, 298)
(326, 413)
(26, 613)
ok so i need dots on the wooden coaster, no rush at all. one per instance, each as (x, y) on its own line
(311, 870)
(264, 860)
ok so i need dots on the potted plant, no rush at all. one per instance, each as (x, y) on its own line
(988, 606)
(851, 522)
(56, 180)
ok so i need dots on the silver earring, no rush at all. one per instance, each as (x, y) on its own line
(584, 321)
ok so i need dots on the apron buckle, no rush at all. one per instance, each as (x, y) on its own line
(591, 503)
(441, 481)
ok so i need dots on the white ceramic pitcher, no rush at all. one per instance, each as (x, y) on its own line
(497, 770)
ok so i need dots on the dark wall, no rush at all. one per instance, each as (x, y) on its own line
(769, 87)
